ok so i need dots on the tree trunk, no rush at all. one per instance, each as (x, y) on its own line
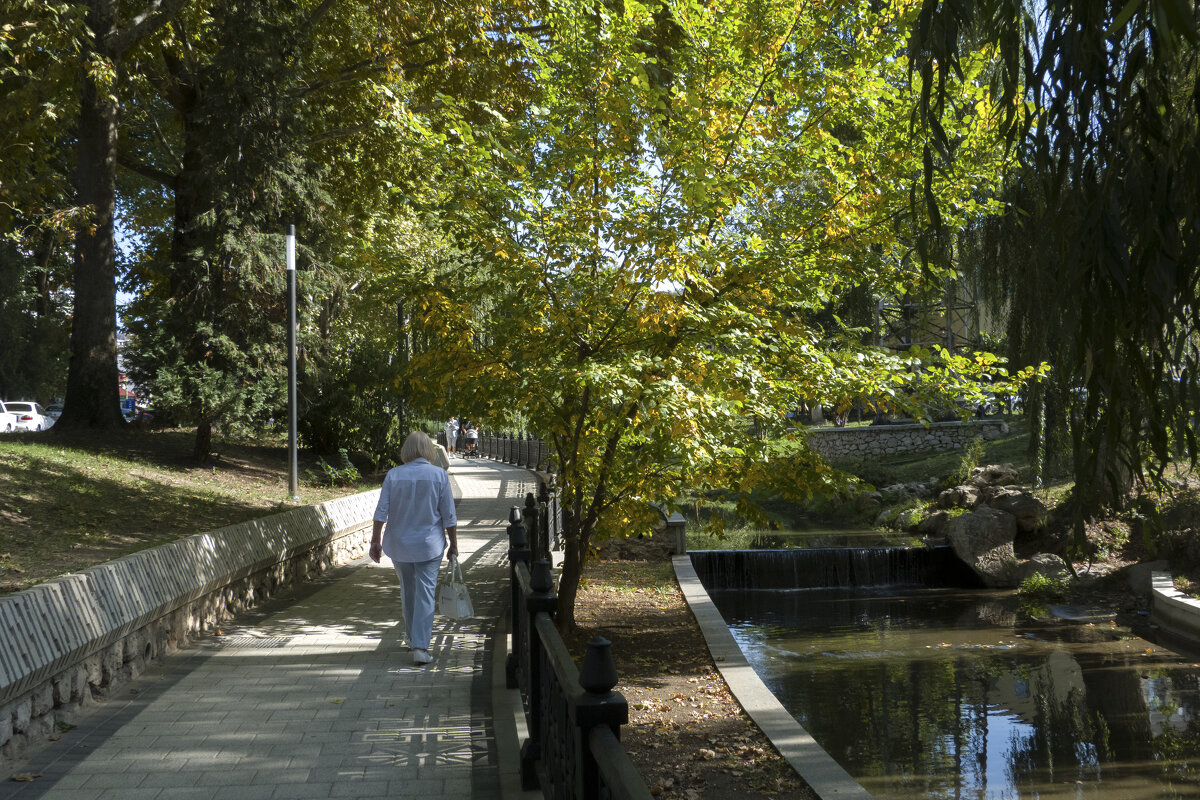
(575, 552)
(92, 385)
(203, 441)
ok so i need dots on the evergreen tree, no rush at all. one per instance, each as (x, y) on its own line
(209, 329)
(38, 211)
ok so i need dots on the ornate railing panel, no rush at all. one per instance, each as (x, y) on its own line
(574, 717)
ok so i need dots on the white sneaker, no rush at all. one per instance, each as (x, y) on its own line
(421, 658)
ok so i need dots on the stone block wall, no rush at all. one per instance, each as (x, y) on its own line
(885, 440)
(71, 641)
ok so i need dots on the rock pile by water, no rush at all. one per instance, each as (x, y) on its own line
(980, 519)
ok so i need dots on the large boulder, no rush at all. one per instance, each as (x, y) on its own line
(1047, 564)
(983, 540)
(993, 475)
(964, 496)
(1028, 510)
(934, 525)
(902, 492)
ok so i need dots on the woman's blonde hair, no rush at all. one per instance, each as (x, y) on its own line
(417, 445)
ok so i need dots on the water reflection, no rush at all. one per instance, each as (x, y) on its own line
(952, 694)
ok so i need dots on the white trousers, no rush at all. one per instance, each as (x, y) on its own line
(418, 591)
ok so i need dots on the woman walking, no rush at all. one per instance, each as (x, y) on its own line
(414, 517)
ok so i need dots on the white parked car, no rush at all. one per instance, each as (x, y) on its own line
(52, 412)
(26, 416)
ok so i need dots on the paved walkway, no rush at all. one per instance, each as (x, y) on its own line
(313, 695)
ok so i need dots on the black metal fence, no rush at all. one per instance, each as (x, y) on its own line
(574, 717)
(542, 514)
(522, 450)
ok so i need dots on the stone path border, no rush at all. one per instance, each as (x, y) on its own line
(818, 769)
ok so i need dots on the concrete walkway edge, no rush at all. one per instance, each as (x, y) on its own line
(508, 717)
(818, 769)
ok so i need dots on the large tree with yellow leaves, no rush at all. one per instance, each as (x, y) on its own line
(689, 186)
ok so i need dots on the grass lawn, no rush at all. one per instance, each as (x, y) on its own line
(68, 501)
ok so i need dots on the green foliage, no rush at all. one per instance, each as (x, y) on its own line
(251, 114)
(34, 319)
(905, 515)
(1042, 587)
(207, 325)
(708, 538)
(37, 80)
(344, 474)
(660, 239)
(972, 457)
(37, 206)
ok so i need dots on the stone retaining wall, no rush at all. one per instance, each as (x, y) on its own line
(886, 440)
(71, 641)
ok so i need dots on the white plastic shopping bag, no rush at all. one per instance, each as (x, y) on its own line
(454, 601)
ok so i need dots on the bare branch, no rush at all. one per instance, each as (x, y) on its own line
(157, 14)
(338, 133)
(317, 13)
(146, 171)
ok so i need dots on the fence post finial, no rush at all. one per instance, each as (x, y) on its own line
(541, 580)
(598, 674)
(516, 531)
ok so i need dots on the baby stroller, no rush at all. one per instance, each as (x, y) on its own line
(470, 438)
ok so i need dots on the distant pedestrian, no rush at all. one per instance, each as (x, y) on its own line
(414, 517)
(470, 439)
(451, 433)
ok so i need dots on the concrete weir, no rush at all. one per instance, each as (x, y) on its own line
(824, 775)
(831, 567)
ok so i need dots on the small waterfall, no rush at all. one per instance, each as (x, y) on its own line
(832, 567)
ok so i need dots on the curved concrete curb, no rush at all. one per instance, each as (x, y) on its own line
(824, 775)
(1173, 610)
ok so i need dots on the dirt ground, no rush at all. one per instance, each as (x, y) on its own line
(686, 734)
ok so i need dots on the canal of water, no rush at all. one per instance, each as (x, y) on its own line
(951, 693)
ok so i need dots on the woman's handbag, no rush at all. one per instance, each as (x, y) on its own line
(454, 601)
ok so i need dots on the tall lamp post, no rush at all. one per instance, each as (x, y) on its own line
(402, 349)
(293, 467)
